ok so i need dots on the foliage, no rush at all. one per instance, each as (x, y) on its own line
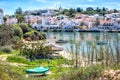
(4, 19)
(34, 35)
(83, 73)
(18, 31)
(25, 28)
(36, 50)
(12, 34)
(79, 9)
(6, 35)
(88, 10)
(8, 72)
(6, 49)
(19, 15)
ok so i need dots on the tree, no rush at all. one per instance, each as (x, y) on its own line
(18, 11)
(4, 19)
(20, 18)
(19, 15)
(89, 9)
(65, 11)
(115, 10)
(98, 10)
(79, 9)
(6, 35)
(104, 9)
(71, 12)
(103, 13)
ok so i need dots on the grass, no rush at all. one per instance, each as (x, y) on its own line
(55, 64)
(56, 67)
(8, 72)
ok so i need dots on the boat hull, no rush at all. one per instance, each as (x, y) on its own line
(37, 70)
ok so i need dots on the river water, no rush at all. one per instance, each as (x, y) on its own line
(81, 40)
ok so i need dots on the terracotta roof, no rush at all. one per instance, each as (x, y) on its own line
(104, 21)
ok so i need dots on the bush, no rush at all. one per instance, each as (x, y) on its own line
(82, 73)
(6, 49)
(6, 35)
(34, 35)
(25, 28)
(18, 32)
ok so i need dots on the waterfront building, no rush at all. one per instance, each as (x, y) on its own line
(11, 20)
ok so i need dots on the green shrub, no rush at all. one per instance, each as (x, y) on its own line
(18, 32)
(6, 35)
(25, 28)
(6, 49)
(16, 38)
(81, 73)
(34, 35)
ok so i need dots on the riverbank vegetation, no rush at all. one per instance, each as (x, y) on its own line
(12, 34)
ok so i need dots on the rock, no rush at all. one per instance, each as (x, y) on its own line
(110, 75)
(117, 72)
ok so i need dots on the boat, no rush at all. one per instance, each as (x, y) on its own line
(103, 39)
(61, 41)
(37, 70)
(101, 43)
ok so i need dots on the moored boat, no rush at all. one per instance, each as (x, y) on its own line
(61, 41)
(101, 43)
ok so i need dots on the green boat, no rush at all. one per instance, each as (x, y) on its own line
(37, 70)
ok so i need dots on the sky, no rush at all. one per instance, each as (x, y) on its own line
(9, 6)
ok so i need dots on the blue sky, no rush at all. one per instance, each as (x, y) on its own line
(9, 6)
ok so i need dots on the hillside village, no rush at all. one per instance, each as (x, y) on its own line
(47, 19)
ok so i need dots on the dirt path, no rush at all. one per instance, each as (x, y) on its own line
(4, 57)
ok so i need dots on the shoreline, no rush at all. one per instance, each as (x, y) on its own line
(81, 61)
(85, 31)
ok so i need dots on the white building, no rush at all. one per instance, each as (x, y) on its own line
(1, 16)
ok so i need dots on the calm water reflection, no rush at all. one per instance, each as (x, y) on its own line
(83, 39)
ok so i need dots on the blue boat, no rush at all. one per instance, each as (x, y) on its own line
(37, 70)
